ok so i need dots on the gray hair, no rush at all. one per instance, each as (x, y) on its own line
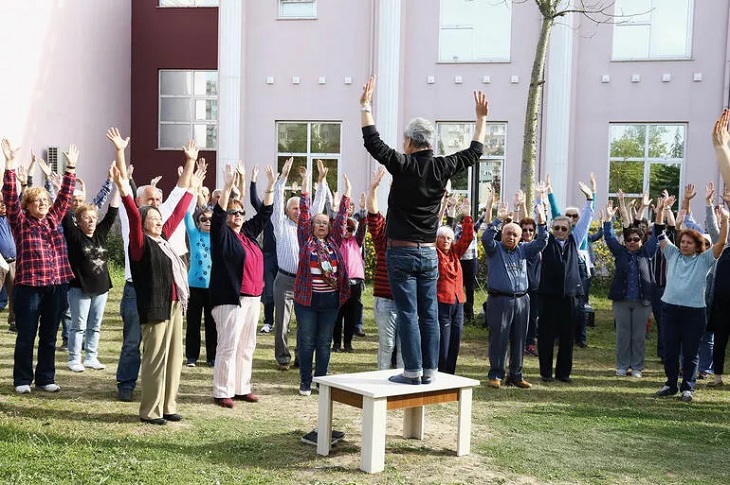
(141, 189)
(445, 231)
(421, 132)
(565, 219)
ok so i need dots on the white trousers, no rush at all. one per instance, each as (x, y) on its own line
(236, 326)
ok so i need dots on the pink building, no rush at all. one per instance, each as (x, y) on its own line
(260, 81)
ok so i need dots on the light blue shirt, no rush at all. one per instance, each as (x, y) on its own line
(686, 276)
(508, 269)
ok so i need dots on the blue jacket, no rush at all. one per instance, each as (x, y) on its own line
(623, 257)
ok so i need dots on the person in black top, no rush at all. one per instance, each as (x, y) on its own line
(419, 182)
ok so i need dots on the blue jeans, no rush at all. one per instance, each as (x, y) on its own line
(129, 358)
(386, 317)
(314, 331)
(37, 312)
(706, 345)
(683, 329)
(451, 324)
(87, 312)
(412, 274)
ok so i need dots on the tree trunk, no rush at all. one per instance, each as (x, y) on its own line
(534, 98)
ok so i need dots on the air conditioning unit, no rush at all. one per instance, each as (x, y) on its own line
(52, 158)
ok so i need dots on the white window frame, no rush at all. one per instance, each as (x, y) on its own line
(631, 22)
(646, 159)
(471, 27)
(282, 15)
(311, 157)
(484, 158)
(190, 4)
(193, 98)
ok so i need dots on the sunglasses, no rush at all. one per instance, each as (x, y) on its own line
(528, 229)
(204, 219)
(574, 216)
(561, 228)
(236, 212)
(633, 239)
(350, 229)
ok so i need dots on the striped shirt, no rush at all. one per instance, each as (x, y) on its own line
(285, 230)
(376, 226)
(319, 285)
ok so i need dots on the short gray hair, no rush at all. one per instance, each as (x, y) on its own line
(445, 231)
(421, 132)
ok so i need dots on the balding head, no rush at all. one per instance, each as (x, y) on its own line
(511, 235)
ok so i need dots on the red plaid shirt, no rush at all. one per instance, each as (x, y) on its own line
(307, 245)
(381, 285)
(42, 258)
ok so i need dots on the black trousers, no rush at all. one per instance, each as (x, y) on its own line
(557, 320)
(469, 270)
(198, 304)
(349, 315)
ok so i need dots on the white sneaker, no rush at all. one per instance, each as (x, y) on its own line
(76, 366)
(620, 373)
(636, 373)
(49, 388)
(22, 389)
(266, 328)
(686, 396)
(94, 364)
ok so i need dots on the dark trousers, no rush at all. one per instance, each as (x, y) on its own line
(198, 304)
(557, 320)
(656, 308)
(350, 315)
(507, 319)
(451, 324)
(271, 268)
(683, 329)
(37, 312)
(469, 270)
(532, 322)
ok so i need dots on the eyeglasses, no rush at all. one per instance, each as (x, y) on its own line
(528, 229)
(574, 216)
(204, 219)
(236, 212)
(561, 228)
(633, 239)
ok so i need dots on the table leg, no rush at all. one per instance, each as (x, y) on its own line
(414, 420)
(372, 454)
(463, 445)
(324, 426)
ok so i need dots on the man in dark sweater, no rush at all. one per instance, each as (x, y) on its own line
(419, 181)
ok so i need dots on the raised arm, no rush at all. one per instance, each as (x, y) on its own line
(720, 139)
(366, 108)
(645, 203)
(253, 194)
(584, 222)
(120, 144)
(338, 227)
(229, 179)
(372, 199)
(481, 106)
(60, 205)
(722, 240)
(323, 191)
(626, 220)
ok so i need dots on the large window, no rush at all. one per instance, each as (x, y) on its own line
(188, 3)
(646, 158)
(453, 137)
(475, 30)
(307, 142)
(297, 9)
(653, 29)
(188, 109)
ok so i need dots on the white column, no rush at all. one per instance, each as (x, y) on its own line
(388, 70)
(559, 106)
(230, 60)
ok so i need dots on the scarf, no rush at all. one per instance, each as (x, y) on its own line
(179, 272)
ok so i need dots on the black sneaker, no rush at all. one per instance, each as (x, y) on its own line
(311, 437)
(666, 391)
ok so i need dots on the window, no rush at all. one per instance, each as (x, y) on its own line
(475, 30)
(307, 142)
(297, 9)
(453, 137)
(653, 29)
(188, 109)
(646, 158)
(188, 3)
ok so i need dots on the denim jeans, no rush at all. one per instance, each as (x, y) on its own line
(412, 274)
(129, 358)
(37, 312)
(388, 339)
(86, 314)
(451, 324)
(683, 329)
(706, 345)
(314, 331)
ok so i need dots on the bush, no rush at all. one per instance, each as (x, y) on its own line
(115, 245)
(370, 257)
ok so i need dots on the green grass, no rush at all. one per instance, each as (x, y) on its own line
(600, 429)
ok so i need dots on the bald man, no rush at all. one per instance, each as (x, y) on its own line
(508, 305)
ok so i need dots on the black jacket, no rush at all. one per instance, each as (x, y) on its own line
(560, 274)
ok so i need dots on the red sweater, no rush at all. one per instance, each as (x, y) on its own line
(450, 285)
(376, 226)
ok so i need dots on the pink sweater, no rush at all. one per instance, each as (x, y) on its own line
(352, 256)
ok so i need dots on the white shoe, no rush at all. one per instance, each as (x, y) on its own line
(636, 373)
(686, 396)
(266, 328)
(76, 366)
(49, 388)
(22, 389)
(94, 364)
(620, 373)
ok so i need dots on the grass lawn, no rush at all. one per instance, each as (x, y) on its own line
(600, 429)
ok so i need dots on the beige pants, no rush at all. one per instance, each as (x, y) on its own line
(236, 326)
(162, 357)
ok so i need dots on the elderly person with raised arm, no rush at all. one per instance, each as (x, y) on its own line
(43, 271)
(508, 305)
(560, 286)
(322, 284)
(419, 182)
(631, 292)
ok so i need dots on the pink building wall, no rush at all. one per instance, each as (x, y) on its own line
(66, 78)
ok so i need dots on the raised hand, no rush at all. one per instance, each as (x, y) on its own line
(503, 211)
(645, 200)
(286, 168)
(270, 174)
(321, 171)
(55, 180)
(119, 143)
(548, 184)
(22, 174)
(201, 164)
(179, 170)
(593, 182)
(709, 193)
(241, 171)
(481, 105)
(363, 200)
(196, 181)
(720, 134)
(541, 188)
(228, 175)
(367, 91)
(689, 191)
(155, 180)
(116, 176)
(72, 156)
(586, 190)
(348, 186)
(601, 219)
(466, 207)
(681, 214)
(130, 170)
(519, 198)
(610, 211)
(191, 151)
(377, 177)
(45, 168)
(541, 212)
(254, 174)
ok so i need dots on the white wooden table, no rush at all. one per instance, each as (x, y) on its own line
(375, 395)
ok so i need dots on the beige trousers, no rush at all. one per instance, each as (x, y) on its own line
(236, 326)
(162, 357)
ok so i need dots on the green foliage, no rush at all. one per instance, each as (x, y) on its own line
(370, 257)
(115, 245)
